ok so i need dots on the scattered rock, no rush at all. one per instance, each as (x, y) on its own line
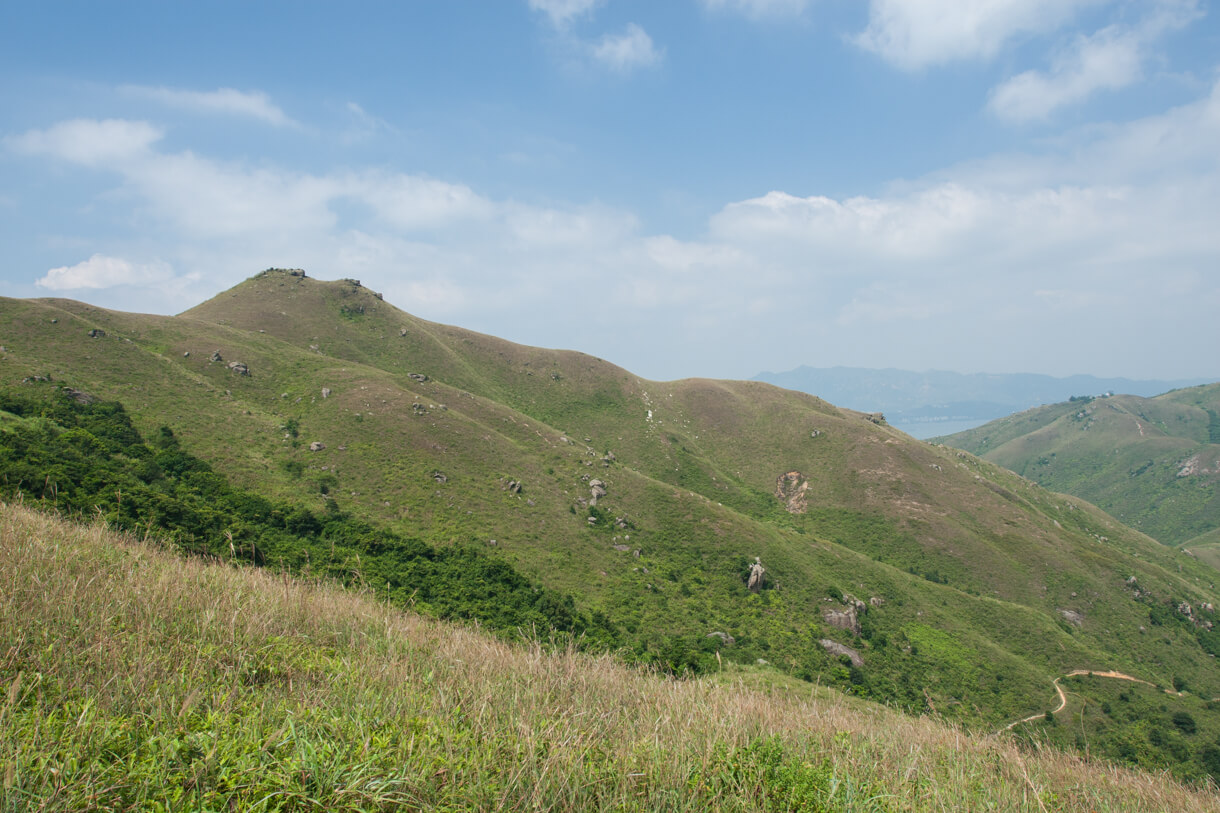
(622, 523)
(326, 392)
(843, 619)
(216, 356)
(876, 601)
(35, 378)
(97, 334)
(439, 477)
(725, 638)
(598, 489)
(591, 520)
(186, 354)
(317, 446)
(757, 573)
(420, 377)
(78, 396)
(621, 548)
(582, 502)
(514, 486)
(402, 331)
(791, 488)
(239, 368)
(1073, 617)
(835, 648)
(875, 417)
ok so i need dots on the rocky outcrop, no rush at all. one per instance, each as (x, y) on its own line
(1072, 617)
(757, 574)
(725, 638)
(78, 396)
(239, 367)
(837, 649)
(843, 619)
(598, 489)
(791, 488)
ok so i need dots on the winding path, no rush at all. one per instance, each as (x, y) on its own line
(1063, 696)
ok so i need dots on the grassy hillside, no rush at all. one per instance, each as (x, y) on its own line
(136, 680)
(919, 576)
(1153, 463)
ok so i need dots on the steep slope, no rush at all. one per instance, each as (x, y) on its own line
(913, 574)
(1153, 463)
(242, 690)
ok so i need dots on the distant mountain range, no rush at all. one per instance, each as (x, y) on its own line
(937, 402)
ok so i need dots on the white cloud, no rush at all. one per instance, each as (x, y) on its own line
(1107, 225)
(914, 34)
(562, 12)
(1107, 60)
(100, 271)
(625, 52)
(1110, 59)
(759, 9)
(253, 104)
(90, 142)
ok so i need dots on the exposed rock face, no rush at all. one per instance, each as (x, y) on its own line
(1072, 616)
(757, 573)
(317, 446)
(78, 396)
(239, 368)
(725, 638)
(835, 648)
(843, 619)
(792, 490)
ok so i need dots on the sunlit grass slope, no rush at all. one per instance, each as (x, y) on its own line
(1153, 463)
(971, 587)
(134, 679)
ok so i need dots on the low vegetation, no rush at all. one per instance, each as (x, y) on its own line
(135, 679)
(1153, 463)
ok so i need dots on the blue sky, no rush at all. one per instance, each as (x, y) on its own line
(688, 188)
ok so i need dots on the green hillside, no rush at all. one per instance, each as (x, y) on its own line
(919, 576)
(1153, 463)
(134, 680)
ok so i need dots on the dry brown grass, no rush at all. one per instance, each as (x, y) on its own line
(115, 654)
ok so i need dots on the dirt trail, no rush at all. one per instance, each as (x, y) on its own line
(1063, 695)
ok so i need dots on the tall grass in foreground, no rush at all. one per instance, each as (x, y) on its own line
(131, 678)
